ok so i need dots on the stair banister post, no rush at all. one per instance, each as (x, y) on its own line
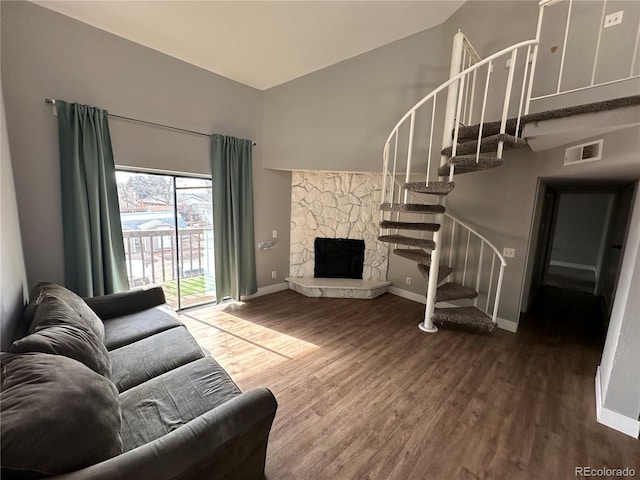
(447, 141)
(427, 325)
(452, 94)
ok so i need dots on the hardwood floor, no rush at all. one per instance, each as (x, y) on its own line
(363, 394)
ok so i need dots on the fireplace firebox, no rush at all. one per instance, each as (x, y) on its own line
(338, 258)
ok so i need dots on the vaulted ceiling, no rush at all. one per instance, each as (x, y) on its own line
(260, 43)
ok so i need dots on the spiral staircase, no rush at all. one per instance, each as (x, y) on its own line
(464, 270)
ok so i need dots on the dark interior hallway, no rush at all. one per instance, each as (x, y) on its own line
(564, 314)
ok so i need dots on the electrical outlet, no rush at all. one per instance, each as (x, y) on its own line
(274, 274)
(509, 252)
(275, 234)
(408, 280)
(613, 19)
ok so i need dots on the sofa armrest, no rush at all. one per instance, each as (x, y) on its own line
(125, 303)
(227, 442)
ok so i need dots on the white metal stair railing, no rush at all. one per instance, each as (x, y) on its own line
(479, 264)
(392, 166)
(461, 102)
(475, 261)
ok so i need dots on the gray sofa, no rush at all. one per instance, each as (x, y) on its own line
(115, 387)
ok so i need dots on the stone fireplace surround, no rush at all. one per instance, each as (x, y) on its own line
(336, 205)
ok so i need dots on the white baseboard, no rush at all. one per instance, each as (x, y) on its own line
(278, 287)
(611, 419)
(416, 297)
(503, 323)
(575, 266)
(507, 325)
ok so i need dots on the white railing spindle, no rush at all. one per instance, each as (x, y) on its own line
(457, 126)
(564, 45)
(479, 276)
(494, 317)
(507, 100)
(433, 121)
(493, 264)
(466, 258)
(484, 108)
(524, 83)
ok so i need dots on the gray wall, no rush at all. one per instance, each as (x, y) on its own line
(45, 54)
(582, 219)
(13, 280)
(615, 52)
(338, 118)
(620, 364)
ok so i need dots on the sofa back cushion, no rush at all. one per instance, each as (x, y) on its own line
(57, 416)
(77, 304)
(58, 330)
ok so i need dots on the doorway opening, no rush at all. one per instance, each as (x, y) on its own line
(580, 229)
(167, 227)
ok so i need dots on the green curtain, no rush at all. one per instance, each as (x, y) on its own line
(94, 257)
(233, 236)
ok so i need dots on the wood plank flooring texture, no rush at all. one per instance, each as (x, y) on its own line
(363, 394)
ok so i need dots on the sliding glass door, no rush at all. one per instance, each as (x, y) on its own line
(167, 224)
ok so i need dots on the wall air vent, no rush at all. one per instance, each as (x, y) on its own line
(587, 152)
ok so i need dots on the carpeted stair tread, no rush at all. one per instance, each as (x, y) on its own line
(492, 128)
(415, 254)
(420, 226)
(594, 107)
(471, 132)
(470, 164)
(488, 144)
(463, 316)
(443, 272)
(412, 208)
(433, 188)
(454, 291)
(409, 241)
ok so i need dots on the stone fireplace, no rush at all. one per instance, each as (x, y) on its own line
(336, 205)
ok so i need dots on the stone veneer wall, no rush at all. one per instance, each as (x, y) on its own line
(336, 205)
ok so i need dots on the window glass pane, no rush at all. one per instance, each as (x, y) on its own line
(195, 207)
(168, 235)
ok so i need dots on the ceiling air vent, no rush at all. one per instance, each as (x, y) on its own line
(587, 152)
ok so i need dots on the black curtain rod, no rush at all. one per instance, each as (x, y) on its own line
(193, 132)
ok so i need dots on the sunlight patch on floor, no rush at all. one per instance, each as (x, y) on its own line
(242, 346)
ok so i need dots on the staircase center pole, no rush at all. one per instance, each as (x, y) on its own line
(449, 123)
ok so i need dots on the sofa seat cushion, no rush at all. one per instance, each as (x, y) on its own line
(57, 416)
(145, 359)
(173, 399)
(127, 329)
(46, 289)
(57, 329)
